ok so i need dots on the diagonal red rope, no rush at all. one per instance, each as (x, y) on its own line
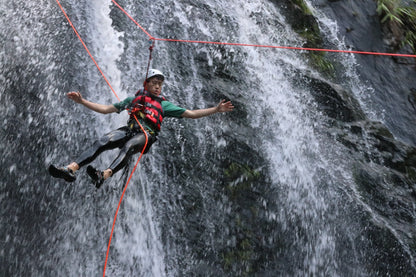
(129, 16)
(141, 127)
(86, 48)
(260, 45)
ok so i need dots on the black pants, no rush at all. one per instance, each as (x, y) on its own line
(129, 141)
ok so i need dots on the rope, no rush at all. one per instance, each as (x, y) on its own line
(122, 195)
(150, 58)
(129, 16)
(141, 127)
(288, 47)
(260, 45)
(86, 48)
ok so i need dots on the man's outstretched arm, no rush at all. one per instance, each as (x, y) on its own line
(222, 107)
(99, 108)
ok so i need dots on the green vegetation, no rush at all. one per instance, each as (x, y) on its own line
(307, 27)
(243, 176)
(302, 5)
(241, 181)
(401, 17)
(320, 61)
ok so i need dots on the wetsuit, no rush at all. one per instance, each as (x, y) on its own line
(130, 139)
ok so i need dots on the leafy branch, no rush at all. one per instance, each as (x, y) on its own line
(403, 15)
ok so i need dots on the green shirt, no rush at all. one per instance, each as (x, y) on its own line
(169, 109)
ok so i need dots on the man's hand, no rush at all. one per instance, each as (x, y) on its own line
(75, 96)
(223, 106)
(99, 108)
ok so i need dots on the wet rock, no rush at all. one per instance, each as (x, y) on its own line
(333, 100)
(381, 147)
(359, 25)
(301, 19)
(412, 98)
(303, 22)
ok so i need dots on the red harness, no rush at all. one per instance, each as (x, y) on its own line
(149, 107)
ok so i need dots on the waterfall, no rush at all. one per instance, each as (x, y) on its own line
(285, 185)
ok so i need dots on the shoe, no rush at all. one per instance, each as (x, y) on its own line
(96, 175)
(62, 172)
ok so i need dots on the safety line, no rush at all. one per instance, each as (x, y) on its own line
(260, 45)
(129, 16)
(287, 47)
(135, 166)
(86, 48)
(122, 195)
(141, 127)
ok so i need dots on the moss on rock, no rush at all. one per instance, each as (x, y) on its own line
(300, 17)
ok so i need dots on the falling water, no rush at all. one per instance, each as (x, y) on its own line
(266, 190)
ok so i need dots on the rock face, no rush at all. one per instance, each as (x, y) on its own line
(394, 93)
(359, 133)
(393, 79)
(385, 151)
(302, 21)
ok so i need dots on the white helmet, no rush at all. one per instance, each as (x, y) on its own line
(155, 72)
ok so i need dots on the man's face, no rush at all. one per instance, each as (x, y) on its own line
(154, 86)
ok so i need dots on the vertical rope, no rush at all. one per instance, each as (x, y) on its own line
(122, 195)
(134, 169)
(150, 58)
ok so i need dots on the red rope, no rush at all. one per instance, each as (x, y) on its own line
(86, 48)
(129, 16)
(122, 195)
(141, 127)
(287, 47)
(260, 45)
(150, 58)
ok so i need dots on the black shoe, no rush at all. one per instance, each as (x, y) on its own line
(62, 172)
(96, 175)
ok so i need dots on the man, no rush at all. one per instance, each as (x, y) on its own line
(149, 108)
